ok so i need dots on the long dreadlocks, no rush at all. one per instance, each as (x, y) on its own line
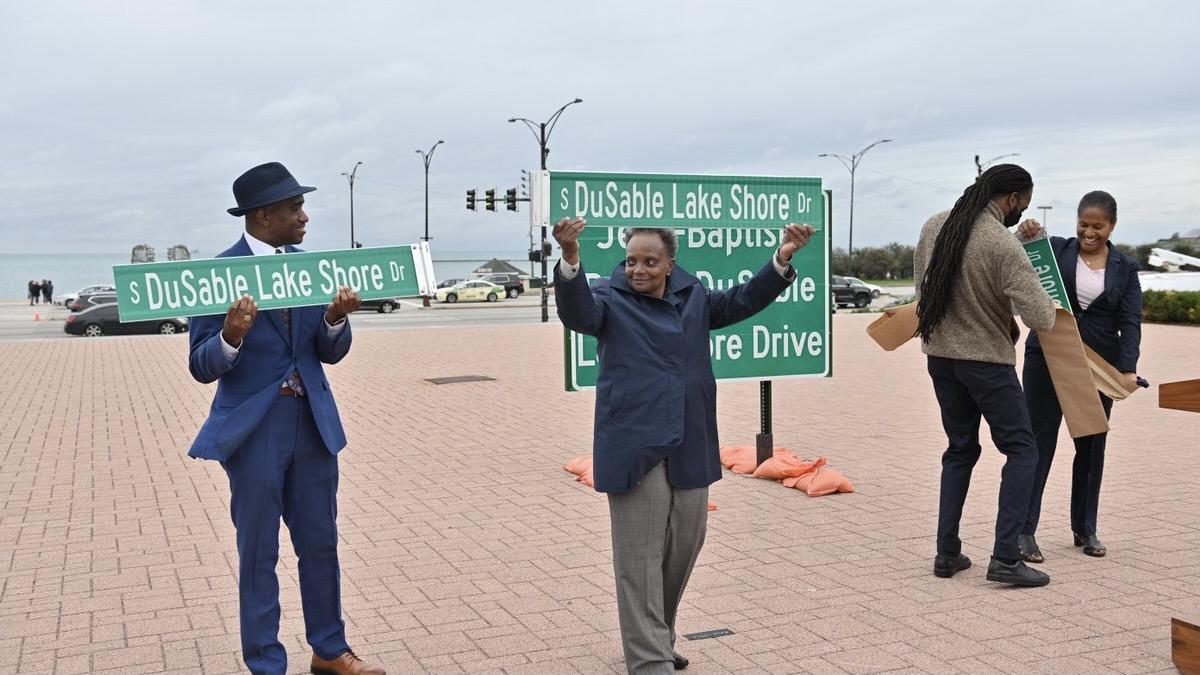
(946, 259)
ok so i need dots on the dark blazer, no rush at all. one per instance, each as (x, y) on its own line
(247, 388)
(656, 397)
(1112, 324)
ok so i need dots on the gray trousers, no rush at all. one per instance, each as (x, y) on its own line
(657, 532)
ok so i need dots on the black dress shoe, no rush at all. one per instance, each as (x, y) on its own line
(1016, 573)
(946, 566)
(1091, 545)
(681, 662)
(1029, 548)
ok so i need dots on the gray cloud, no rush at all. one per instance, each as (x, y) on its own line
(123, 122)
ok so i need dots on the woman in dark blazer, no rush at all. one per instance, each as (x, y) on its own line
(655, 438)
(1106, 298)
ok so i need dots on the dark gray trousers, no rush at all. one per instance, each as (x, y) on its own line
(657, 533)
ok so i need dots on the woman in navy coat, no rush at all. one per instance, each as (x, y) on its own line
(1106, 298)
(655, 438)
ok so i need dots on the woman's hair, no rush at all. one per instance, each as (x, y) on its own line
(1100, 200)
(665, 233)
(947, 256)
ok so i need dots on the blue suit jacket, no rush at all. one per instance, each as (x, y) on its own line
(247, 388)
(656, 397)
(1112, 324)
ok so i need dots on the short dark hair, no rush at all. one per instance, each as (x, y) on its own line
(1101, 200)
(665, 233)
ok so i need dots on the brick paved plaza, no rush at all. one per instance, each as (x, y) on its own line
(465, 547)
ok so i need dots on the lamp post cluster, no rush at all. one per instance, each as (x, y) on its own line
(851, 164)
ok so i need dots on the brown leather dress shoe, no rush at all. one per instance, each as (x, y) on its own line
(346, 664)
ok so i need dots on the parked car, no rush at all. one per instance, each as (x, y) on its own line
(875, 290)
(66, 300)
(102, 319)
(382, 305)
(91, 300)
(846, 293)
(512, 283)
(473, 289)
(447, 283)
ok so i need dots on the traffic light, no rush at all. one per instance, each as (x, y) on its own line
(490, 200)
(535, 255)
(547, 249)
(510, 199)
(471, 200)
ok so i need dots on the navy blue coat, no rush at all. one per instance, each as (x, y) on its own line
(247, 388)
(656, 398)
(1112, 323)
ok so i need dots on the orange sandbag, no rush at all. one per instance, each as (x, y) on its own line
(785, 465)
(712, 506)
(744, 458)
(828, 481)
(579, 465)
(801, 481)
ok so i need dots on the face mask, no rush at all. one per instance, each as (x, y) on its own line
(1013, 217)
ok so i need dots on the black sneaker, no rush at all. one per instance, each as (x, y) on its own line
(1017, 573)
(945, 566)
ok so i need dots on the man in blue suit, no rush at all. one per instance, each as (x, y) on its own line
(274, 427)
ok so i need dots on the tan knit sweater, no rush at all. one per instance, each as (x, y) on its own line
(996, 275)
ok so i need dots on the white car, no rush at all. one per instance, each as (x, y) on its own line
(875, 290)
(471, 289)
(66, 300)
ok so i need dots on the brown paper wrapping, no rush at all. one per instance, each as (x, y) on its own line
(1076, 371)
(897, 326)
(1071, 373)
(1183, 395)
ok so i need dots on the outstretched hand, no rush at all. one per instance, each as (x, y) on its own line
(566, 233)
(795, 237)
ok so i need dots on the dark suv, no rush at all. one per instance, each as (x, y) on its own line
(511, 283)
(847, 293)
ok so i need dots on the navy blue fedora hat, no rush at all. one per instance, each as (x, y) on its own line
(263, 185)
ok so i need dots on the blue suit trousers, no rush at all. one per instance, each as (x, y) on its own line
(284, 470)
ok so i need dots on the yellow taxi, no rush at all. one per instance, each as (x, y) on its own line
(470, 290)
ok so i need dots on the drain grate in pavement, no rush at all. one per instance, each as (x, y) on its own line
(460, 378)
(720, 632)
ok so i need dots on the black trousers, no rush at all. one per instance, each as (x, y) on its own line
(1088, 470)
(967, 391)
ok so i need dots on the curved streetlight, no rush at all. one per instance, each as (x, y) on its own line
(426, 158)
(851, 164)
(541, 133)
(980, 166)
(350, 179)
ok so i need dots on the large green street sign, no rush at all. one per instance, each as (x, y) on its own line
(209, 286)
(1041, 255)
(728, 227)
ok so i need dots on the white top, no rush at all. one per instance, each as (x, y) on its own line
(1089, 283)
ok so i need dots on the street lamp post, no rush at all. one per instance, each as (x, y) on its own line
(851, 164)
(350, 179)
(426, 158)
(1044, 215)
(980, 166)
(541, 132)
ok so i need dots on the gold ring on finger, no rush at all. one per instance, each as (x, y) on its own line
(245, 317)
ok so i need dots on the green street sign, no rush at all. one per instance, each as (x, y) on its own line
(1041, 255)
(209, 286)
(728, 227)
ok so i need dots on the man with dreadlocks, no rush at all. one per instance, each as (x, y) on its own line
(971, 272)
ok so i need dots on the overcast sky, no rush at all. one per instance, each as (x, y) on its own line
(126, 122)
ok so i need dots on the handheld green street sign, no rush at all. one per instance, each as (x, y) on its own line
(1041, 255)
(728, 227)
(209, 286)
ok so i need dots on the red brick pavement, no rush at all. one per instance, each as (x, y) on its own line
(467, 548)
